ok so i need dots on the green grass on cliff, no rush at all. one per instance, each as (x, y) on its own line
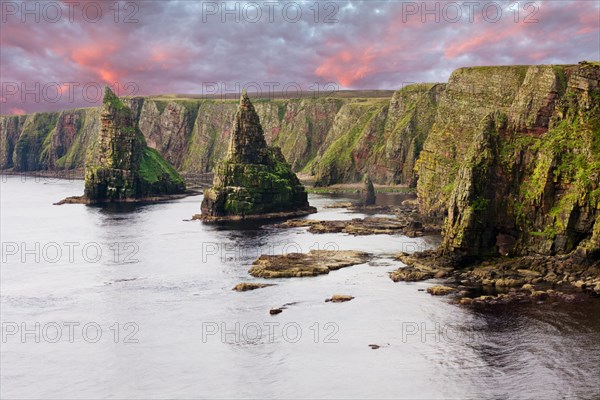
(338, 156)
(153, 167)
(33, 146)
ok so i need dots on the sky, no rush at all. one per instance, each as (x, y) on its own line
(59, 54)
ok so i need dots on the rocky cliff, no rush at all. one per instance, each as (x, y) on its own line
(380, 136)
(513, 159)
(508, 155)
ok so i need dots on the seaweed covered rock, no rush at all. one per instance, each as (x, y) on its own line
(120, 166)
(254, 180)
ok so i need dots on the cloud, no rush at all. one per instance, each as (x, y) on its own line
(180, 46)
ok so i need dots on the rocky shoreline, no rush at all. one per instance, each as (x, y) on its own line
(316, 262)
(503, 280)
(146, 199)
(255, 217)
(407, 221)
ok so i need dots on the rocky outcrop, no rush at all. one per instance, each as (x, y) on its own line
(254, 180)
(316, 262)
(513, 159)
(120, 167)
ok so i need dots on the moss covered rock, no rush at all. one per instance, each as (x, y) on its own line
(254, 179)
(120, 166)
(513, 161)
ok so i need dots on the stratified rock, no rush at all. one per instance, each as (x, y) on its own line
(254, 181)
(121, 167)
(316, 262)
(246, 286)
(367, 194)
(512, 160)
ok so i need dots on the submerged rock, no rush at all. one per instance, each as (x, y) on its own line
(121, 167)
(503, 280)
(316, 262)
(253, 181)
(339, 298)
(246, 286)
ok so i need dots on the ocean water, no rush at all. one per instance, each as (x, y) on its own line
(136, 302)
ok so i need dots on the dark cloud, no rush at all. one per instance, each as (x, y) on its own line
(181, 46)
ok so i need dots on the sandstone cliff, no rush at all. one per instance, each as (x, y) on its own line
(192, 134)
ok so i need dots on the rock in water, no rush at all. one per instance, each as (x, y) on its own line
(367, 194)
(253, 181)
(121, 167)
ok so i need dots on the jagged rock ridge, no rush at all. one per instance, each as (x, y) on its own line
(253, 180)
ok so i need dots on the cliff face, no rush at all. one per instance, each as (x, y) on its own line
(380, 138)
(193, 134)
(514, 160)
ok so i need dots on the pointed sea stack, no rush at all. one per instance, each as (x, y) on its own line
(253, 181)
(121, 167)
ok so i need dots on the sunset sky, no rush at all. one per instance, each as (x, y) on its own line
(157, 47)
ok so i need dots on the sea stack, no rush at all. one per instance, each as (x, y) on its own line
(254, 181)
(367, 194)
(121, 167)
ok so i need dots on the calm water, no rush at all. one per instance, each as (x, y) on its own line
(153, 292)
